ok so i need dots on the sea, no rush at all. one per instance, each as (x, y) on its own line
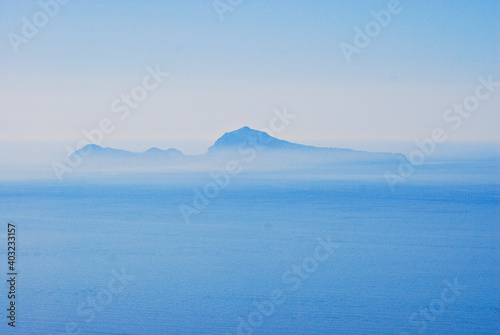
(260, 255)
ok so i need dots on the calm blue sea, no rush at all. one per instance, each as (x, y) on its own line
(397, 255)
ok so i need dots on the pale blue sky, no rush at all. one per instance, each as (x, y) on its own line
(264, 55)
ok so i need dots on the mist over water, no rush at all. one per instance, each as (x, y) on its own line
(26, 160)
(202, 251)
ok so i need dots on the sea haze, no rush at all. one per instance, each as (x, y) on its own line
(199, 246)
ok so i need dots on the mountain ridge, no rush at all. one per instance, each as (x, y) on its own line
(257, 149)
(228, 140)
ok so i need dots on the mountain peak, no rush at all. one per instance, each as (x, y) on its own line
(153, 150)
(165, 153)
(241, 136)
(93, 146)
(246, 136)
(245, 131)
(90, 148)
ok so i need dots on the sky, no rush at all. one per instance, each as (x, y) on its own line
(262, 57)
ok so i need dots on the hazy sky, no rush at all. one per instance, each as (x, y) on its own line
(231, 73)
